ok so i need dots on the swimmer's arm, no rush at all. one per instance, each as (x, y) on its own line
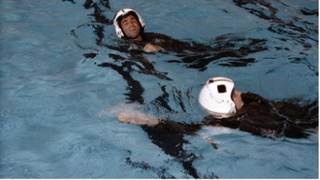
(152, 48)
(137, 117)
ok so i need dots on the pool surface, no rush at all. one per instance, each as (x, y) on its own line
(62, 80)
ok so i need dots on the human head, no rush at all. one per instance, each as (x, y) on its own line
(128, 24)
(219, 98)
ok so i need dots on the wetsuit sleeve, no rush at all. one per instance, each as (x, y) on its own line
(169, 136)
(305, 116)
(263, 118)
(174, 45)
(171, 127)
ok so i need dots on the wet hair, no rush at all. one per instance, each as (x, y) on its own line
(135, 16)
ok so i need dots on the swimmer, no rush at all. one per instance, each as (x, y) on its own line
(129, 26)
(226, 107)
(248, 112)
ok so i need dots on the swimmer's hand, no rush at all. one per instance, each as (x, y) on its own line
(137, 117)
(151, 48)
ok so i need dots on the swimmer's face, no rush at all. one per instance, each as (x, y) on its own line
(130, 26)
(236, 97)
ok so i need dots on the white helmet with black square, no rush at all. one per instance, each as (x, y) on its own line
(215, 97)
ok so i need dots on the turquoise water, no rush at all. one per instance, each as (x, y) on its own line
(57, 105)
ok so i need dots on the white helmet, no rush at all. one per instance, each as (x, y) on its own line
(122, 13)
(215, 97)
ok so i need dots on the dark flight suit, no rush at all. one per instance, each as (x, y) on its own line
(258, 116)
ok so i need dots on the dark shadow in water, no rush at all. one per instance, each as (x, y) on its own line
(161, 172)
(137, 57)
(72, 1)
(171, 140)
(309, 12)
(181, 99)
(178, 98)
(225, 46)
(128, 65)
(162, 102)
(238, 62)
(90, 55)
(134, 87)
(98, 18)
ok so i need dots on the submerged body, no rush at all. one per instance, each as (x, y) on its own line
(261, 117)
(169, 44)
(257, 116)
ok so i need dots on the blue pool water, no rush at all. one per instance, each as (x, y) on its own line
(57, 111)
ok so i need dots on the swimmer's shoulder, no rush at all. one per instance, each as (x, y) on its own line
(255, 102)
(173, 44)
(249, 97)
(149, 36)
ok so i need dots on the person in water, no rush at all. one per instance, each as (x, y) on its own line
(129, 26)
(229, 107)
